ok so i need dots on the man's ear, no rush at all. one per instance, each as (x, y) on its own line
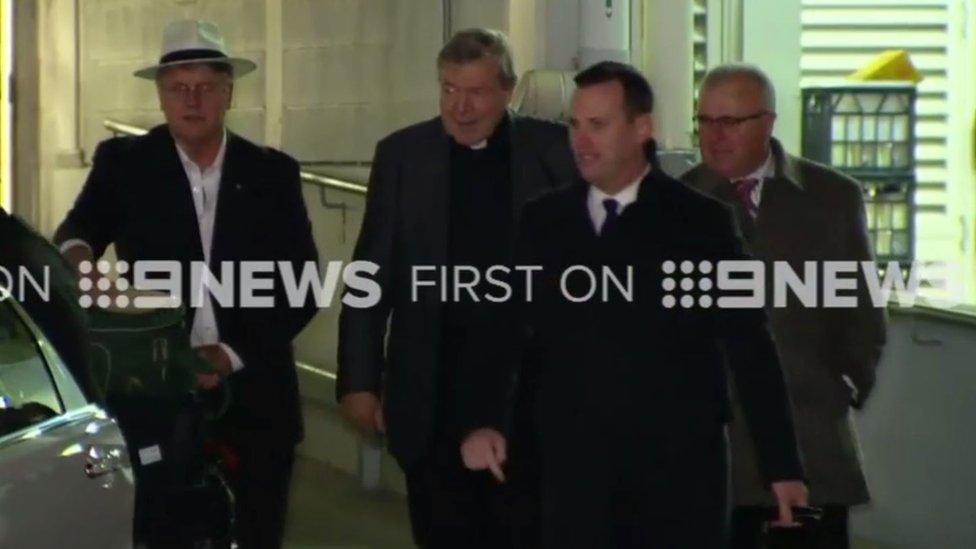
(159, 93)
(771, 125)
(645, 126)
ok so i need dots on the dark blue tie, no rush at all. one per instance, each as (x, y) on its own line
(613, 213)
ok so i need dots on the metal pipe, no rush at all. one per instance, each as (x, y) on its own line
(448, 25)
(312, 178)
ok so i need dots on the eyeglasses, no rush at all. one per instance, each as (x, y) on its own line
(204, 90)
(725, 122)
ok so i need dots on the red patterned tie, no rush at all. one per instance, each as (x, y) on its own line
(743, 193)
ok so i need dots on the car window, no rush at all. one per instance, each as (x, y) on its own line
(27, 392)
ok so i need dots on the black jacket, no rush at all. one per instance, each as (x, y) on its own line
(630, 372)
(406, 225)
(137, 196)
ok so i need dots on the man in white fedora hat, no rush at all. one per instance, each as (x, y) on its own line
(156, 198)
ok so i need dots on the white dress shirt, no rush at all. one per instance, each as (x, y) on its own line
(204, 186)
(624, 198)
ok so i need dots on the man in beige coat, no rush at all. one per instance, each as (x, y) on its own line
(794, 210)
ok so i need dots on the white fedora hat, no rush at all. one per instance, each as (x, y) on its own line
(194, 42)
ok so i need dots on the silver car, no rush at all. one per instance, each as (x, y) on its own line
(65, 476)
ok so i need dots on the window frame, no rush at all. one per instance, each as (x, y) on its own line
(60, 381)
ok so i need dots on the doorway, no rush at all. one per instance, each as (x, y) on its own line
(6, 129)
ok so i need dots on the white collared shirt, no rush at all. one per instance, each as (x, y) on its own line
(766, 169)
(204, 188)
(624, 198)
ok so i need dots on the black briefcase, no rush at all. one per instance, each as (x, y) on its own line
(798, 537)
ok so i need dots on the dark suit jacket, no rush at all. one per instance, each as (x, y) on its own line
(137, 196)
(808, 212)
(406, 224)
(632, 375)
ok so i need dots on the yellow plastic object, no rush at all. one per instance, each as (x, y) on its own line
(888, 65)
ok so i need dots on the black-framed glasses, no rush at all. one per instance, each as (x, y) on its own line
(725, 122)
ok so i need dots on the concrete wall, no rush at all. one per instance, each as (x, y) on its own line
(916, 435)
(335, 227)
(493, 14)
(348, 72)
(345, 73)
(119, 37)
(770, 39)
(354, 72)
(667, 63)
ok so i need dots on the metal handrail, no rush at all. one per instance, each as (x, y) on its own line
(332, 183)
(307, 177)
(124, 129)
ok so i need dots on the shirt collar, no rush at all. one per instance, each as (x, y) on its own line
(765, 170)
(218, 162)
(625, 197)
